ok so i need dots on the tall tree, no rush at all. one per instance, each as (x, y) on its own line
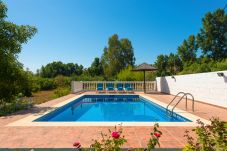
(162, 65)
(212, 38)
(117, 56)
(127, 54)
(187, 51)
(96, 68)
(58, 68)
(12, 75)
(174, 64)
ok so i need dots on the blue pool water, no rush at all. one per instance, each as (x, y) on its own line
(110, 108)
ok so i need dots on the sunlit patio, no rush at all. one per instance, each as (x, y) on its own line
(64, 136)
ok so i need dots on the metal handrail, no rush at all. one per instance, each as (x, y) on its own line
(186, 103)
(193, 101)
(174, 99)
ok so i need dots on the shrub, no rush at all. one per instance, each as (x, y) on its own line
(154, 140)
(209, 137)
(115, 140)
(128, 75)
(62, 81)
(47, 84)
(111, 142)
(86, 77)
(205, 67)
(59, 92)
(14, 105)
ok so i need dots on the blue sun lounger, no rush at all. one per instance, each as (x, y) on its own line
(128, 88)
(110, 87)
(120, 87)
(100, 88)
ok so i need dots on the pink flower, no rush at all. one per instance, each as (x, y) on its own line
(77, 144)
(115, 135)
(156, 134)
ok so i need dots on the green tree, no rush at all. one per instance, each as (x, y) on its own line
(12, 75)
(212, 38)
(162, 65)
(96, 68)
(58, 68)
(174, 64)
(117, 56)
(127, 75)
(187, 51)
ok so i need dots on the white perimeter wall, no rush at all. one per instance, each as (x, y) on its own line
(205, 87)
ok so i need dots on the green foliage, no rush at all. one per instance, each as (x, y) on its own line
(211, 40)
(168, 64)
(62, 91)
(127, 75)
(96, 68)
(13, 106)
(63, 85)
(87, 77)
(114, 140)
(13, 79)
(187, 51)
(35, 85)
(212, 37)
(174, 64)
(155, 135)
(219, 66)
(200, 67)
(209, 137)
(117, 56)
(17, 104)
(62, 81)
(111, 142)
(58, 68)
(162, 65)
(46, 84)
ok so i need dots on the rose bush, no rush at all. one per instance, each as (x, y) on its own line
(155, 135)
(211, 137)
(116, 139)
(111, 142)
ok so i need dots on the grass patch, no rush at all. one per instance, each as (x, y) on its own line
(27, 102)
(43, 96)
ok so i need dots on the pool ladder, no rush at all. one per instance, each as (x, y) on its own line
(186, 102)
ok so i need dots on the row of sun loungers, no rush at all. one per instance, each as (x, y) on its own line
(120, 88)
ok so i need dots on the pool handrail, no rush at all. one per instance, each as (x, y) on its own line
(186, 103)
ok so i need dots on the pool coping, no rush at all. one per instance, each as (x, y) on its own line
(28, 121)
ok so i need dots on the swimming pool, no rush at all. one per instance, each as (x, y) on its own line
(109, 108)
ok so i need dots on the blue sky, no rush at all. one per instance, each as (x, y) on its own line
(78, 30)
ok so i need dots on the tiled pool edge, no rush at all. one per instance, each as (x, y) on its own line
(28, 121)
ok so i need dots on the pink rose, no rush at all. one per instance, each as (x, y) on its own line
(115, 135)
(157, 134)
(77, 144)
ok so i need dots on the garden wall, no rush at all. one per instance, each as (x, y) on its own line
(205, 87)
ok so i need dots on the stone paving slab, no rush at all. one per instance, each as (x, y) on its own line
(63, 137)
